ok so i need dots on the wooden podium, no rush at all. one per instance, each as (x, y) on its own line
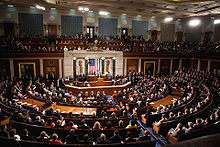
(100, 79)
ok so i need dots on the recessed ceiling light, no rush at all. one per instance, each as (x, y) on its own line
(72, 10)
(32, 7)
(217, 21)
(168, 19)
(138, 15)
(194, 22)
(40, 7)
(10, 6)
(53, 8)
(103, 13)
(124, 14)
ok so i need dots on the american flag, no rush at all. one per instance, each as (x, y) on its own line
(94, 65)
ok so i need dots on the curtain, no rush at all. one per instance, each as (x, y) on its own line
(108, 27)
(140, 28)
(31, 24)
(71, 25)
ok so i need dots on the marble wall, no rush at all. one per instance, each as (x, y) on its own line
(81, 55)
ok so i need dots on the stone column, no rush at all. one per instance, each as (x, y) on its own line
(41, 67)
(103, 65)
(139, 65)
(86, 66)
(180, 63)
(11, 62)
(198, 66)
(74, 68)
(209, 65)
(60, 69)
(114, 61)
(125, 67)
(171, 66)
(158, 67)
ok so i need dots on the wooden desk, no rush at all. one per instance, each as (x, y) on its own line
(74, 110)
(31, 102)
(164, 101)
(94, 78)
(107, 89)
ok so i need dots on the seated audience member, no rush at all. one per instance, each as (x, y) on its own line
(217, 118)
(132, 125)
(120, 124)
(86, 140)
(178, 130)
(190, 127)
(163, 119)
(158, 110)
(59, 124)
(72, 126)
(3, 131)
(55, 139)
(38, 121)
(109, 126)
(116, 138)
(94, 114)
(49, 123)
(25, 135)
(145, 137)
(104, 115)
(102, 139)
(83, 125)
(114, 108)
(97, 126)
(43, 137)
(13, 135)
(124, 114)
(72, 138)
(129, 138)
(198, 124)
(113, 115)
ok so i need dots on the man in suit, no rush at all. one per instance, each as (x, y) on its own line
(116, 138)
(99, 75)
(72, 138)
(145, 137)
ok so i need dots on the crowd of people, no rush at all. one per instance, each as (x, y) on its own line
(126, 44)
(145, 89)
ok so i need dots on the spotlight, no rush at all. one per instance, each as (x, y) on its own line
(10, 6)
(194, 22)
(168, 19)
(103, 13)
(40, 7)
(217, 21)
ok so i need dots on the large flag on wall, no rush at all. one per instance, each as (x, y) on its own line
(94, 65)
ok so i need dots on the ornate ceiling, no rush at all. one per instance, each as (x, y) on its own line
(145, 8)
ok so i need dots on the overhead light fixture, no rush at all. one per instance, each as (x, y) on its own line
(216, 21)
(72, 10)
(53, 8)
(124, 14)
(90, 11)
(32, 7)
(83, 9)
(138, 15)
(10, 6)
(40, 7)
(194, 22)
(103, 13)
(168, 19)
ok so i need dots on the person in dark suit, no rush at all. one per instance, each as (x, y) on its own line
(72, 138)
(116, 138)
(129, 138)
(102, 139)
(145, 137)
(99, 75)
(86, 140)
(25, 135)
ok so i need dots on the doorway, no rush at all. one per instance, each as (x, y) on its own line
(90, 31)
(9, 29)
(154, 34)
(52, 30)
(124, 32)
(179, 37)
